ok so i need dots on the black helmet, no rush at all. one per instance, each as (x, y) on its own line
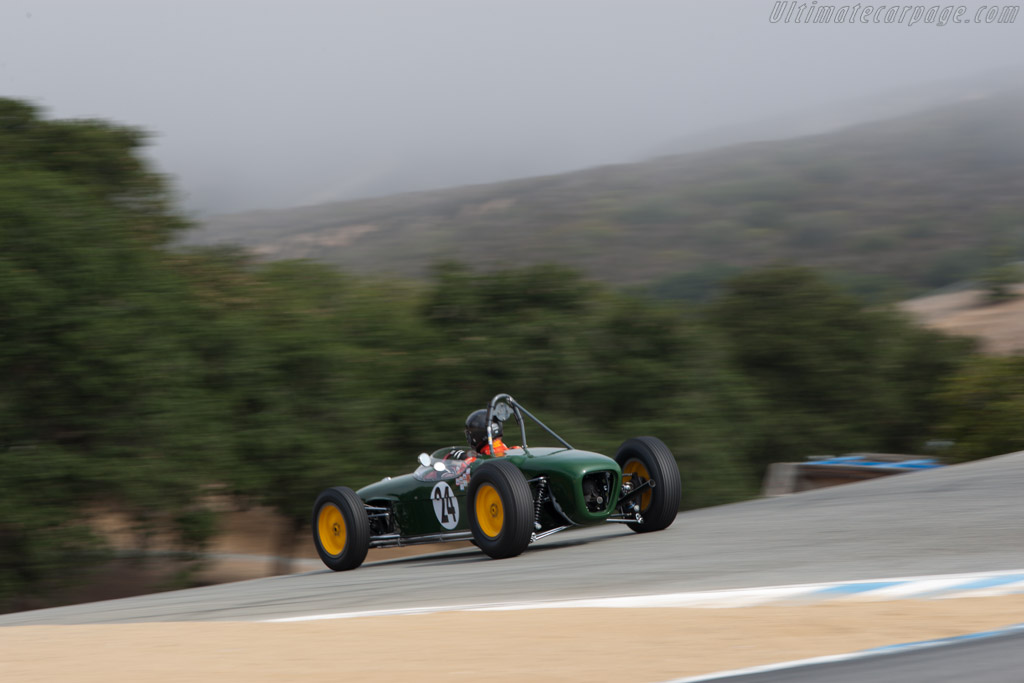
(476, 428)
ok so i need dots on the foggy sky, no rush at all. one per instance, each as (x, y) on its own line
(258, 104)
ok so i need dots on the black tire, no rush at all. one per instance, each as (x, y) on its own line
(652, 459)
(341, 529)
(500, 509)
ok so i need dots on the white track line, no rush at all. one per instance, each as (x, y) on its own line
(921, 587)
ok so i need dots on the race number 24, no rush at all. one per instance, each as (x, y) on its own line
(446, 508)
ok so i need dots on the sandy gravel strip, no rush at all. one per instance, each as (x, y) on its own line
(594, 644)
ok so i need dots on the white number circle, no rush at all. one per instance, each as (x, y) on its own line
(446, 508)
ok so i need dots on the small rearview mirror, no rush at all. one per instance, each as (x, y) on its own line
(424, 459)
(439, 467)
(502, 411)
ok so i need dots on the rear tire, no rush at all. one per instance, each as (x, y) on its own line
(500, 509)
(649, 458)
(341, 529)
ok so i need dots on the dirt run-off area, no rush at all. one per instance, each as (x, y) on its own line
(593, 645)
(998, 326)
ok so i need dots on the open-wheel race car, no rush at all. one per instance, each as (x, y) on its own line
(502, 499)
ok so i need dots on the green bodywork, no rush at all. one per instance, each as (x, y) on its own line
(417, 508)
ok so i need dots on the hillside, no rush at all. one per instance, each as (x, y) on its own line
(911, 203)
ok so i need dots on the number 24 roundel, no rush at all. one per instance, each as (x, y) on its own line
(445, 506)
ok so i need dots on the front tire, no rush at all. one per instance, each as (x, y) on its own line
(341, 529)
(647, 458)
(500, 509)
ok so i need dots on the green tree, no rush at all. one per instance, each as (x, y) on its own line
(101, 159)
(98, 402)
(984, 403)
(831, 377)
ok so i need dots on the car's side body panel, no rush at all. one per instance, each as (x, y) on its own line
(412, 505)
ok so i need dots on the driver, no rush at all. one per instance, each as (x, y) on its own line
(476, 434)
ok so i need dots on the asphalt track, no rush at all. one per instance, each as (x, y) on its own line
(951, 520)
(965, 518)
(989, 659)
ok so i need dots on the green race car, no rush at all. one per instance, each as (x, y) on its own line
(504, 502)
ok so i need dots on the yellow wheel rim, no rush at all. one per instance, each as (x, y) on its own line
(331, 529)
(490, 513)
(636, 467)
